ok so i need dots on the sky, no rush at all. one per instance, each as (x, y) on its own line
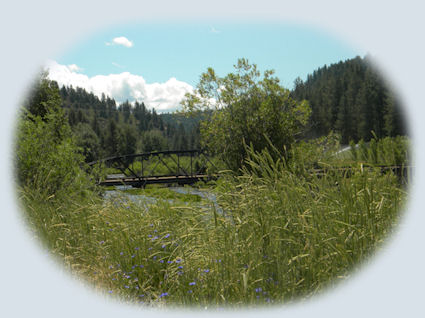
(158, 63)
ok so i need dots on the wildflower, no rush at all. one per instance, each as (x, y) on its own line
(111, 267)
(178, 260)
(163, 295)
(150, 235)
(136, 248)
(154, 257)
(163, 246)
(258, 290)
(167, 236)
(169, 262)
(161, 261)
(192, 283)
(206, 270)
(155, 238)
(102, 242)
(190, 291)
(122, 253)
(155, 231)
(151, 225)
(110, 291)
(143, 295)
(133, 256)
(126, 286)
(180, 273)
(141, 266)
(180, 267)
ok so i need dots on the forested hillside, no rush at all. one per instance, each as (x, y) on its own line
(103, 128)
(351, 99)
(348, 98)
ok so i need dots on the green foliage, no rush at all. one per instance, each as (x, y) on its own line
(273, 237)
(386, 151)
(248, 110)
(44, 97)
(351, 98)
(47, 158)
(87, 140)
(125, 128)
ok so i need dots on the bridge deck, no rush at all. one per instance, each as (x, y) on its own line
(142, 181)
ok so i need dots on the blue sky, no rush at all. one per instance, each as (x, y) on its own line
(152, 54)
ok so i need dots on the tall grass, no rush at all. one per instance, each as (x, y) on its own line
(279, 236)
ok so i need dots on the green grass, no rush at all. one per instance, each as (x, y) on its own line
(282, 237)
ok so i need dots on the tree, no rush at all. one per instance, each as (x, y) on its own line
(87, 140)
(44, 97)
(47, 158)
(248, 110)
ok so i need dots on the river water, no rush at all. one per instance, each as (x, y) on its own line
(122, 197)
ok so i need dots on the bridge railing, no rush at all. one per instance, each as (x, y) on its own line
(160, 163)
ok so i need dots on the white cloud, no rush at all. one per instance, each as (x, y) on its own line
(74, 68)
(124, 86)
(121, 40)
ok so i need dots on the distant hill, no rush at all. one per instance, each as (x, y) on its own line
(352, 99)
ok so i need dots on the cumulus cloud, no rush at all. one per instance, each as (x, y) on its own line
(124, 86)
(121, 40)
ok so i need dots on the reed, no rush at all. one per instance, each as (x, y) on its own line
(276, 236)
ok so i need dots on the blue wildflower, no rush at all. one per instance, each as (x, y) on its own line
(190, 291)
(126, 286)
(163, 246)
(167, 236)
(192, 283)
(163, 295)
(258, 290)
(180, 267)
(169, 262)
(102, 242)
(206, 270)
(110, 291)
(161, 261)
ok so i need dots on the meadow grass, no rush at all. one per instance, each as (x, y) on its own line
(278, 236)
